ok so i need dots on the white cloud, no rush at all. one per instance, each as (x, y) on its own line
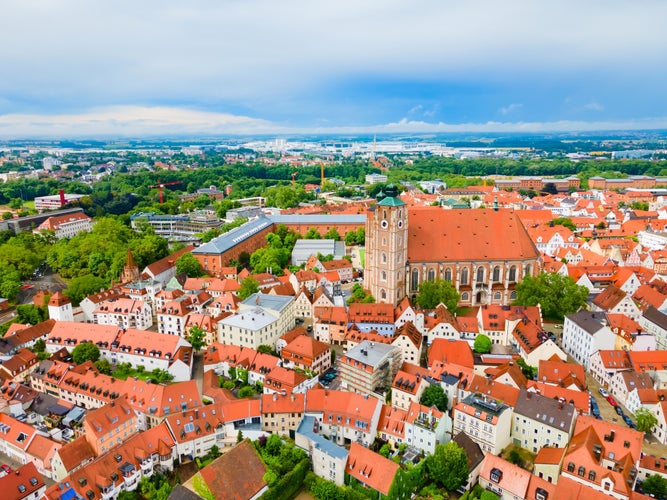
(134, 121)
(252, 53)
(506, 110)
(594, 106)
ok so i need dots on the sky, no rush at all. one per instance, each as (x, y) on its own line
(151, 68)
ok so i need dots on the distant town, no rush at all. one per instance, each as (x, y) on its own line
(334, 318)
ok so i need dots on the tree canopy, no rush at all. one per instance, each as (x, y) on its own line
(646, 420)
(448, 465)
(86, 351)
(248, 286)
(434, 395)
(482, 344)
(558, 295)
(196, 337)
(188, 264)
(432, 293)
(655, 485)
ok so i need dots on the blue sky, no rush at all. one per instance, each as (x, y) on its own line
(266, 66)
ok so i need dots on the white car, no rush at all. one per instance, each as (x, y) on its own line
(603, 392)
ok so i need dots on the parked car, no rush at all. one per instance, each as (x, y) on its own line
(619, 410)
(628, 421)
(6, 468)
(604, 392)
(611, 400)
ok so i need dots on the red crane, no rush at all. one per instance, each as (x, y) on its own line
(160, 185)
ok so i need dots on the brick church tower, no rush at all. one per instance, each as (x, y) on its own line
(386, 247)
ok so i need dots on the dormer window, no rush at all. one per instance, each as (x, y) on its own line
(496, 475)
(541, 494)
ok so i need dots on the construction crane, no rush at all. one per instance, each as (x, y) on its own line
(160, 185)
(294, 177)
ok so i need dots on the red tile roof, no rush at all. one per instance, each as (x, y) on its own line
(467, 235)
(224, 480)
(371, 468)
(448, 350)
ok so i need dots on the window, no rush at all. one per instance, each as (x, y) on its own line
(497, 296)
(512, 276)
(570, 467)
(496, 273)
(591, 475)
(581, 470)
(414, 280)
(383, 294)
(448, 274)
(465, 296)
(383, 276)
(384, 258)
(527, 270)
(496, 475)
(431, 275)
(464, 276)
(480, 274)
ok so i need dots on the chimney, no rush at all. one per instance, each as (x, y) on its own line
(612, 434)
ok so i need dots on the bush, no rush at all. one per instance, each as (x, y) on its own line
(247, 391)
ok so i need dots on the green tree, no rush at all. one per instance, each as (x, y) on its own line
(103, 366)
(448, 465)
(655, 485)
(197, 337)
(86, 351)
(530, 372)
(385, 450)
(29, 313)
(313, 234)
(646, 420)
(332, 234)
(434, 395)
(248, 286)
(188, 264)
(432, 293)
(488, 495)
(246, 392)
(558, 295)
(82, 286)
(565, 222)
(482, 344)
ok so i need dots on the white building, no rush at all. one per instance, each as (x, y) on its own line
(66, 226)
(125, 313)
(486, 421)
(585, 333)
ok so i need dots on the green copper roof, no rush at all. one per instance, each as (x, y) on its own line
(391, 198)
(390, 201)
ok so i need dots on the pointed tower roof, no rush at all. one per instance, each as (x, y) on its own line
(59, 299)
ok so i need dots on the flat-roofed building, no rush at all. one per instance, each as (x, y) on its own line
(369, 368)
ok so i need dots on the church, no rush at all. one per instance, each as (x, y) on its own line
(484, 253)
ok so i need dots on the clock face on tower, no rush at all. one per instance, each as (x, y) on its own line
(384, 224)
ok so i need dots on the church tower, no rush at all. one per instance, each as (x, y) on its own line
(386, 247)
(60, 307)
(131, 270)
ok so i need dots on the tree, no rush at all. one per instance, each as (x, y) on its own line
(434, 395)
(432, 293)
(558, 295)
(332, 234)
(448, 466)
(565, 222)
(646, 420)
(84, 285)
(488, 495)
(246, 392)
(188, 264)
(103, 366)
(482, 344)
(197, 337)
(530, 372)
(86, 351)
(385, 450)
(313, 234)
(29, 313)
(655, 485)
(249, 285)
(550, 188)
